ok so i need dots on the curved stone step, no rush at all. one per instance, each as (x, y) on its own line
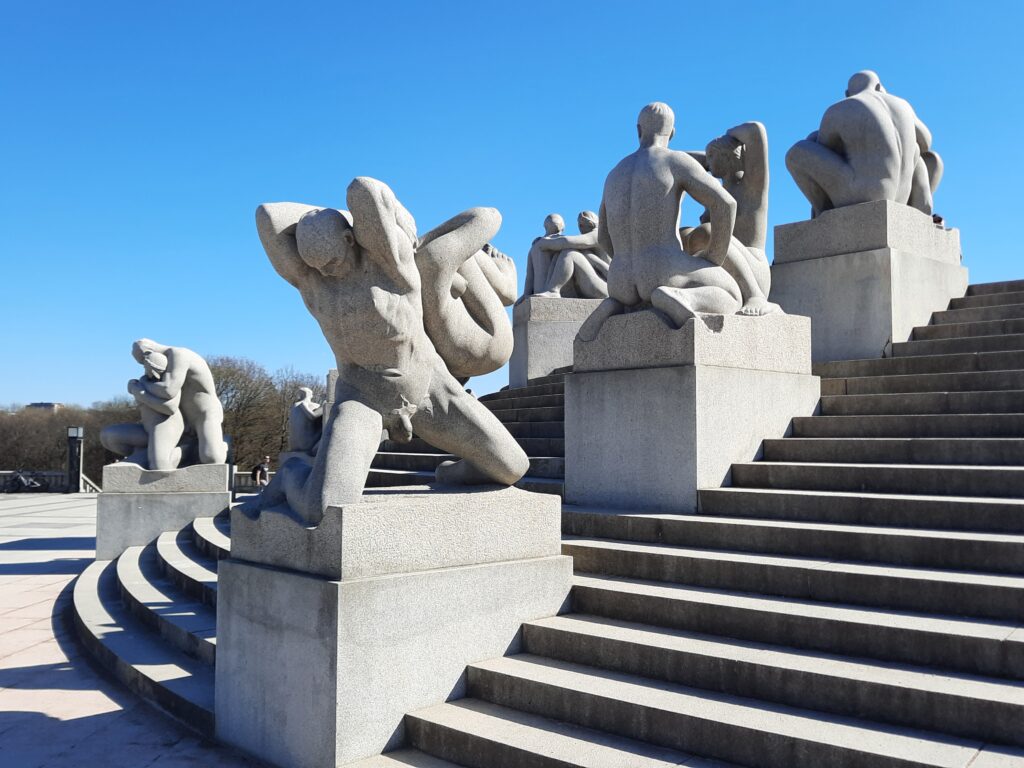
(719, 726)
(136, 655)
(981, 595)
(951, 346)
(920, 548)
(926, 479)
(990, 451)
(968, 513)
(902, 366)
(972, 707)
(478, 734)
(212, 535)
(974, 646)
(532, 390)
(968, 330)
(188, 624)
(189, 569)
(973, 381)
(537, 428)
(998, 401)
(527, 415)
(917, 425)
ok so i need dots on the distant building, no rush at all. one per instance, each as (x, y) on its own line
(46, 406)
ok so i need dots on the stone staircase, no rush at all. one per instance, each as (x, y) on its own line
(855, 598)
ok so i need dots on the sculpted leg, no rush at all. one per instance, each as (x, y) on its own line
(823, 176)
(752, 274)
(573, 264)
(164, 452)
(207, 421)
(457, 423)
(500, 272)
(920, 188)
(592, 325)
(680, 304)
(539, 262)
(128, 440)
(933, 162)
(350, 440)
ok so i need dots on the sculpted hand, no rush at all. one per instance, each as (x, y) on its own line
(134, 387)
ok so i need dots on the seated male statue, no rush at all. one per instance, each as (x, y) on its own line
(579, 265)
(357, 274)
(639, 229)
(187, 381)
(539, 260)
(305, 423)
(740, 160)
(870, 146)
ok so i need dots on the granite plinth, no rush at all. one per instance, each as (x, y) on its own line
(659, 413)
(544, 329)
(866, 275)
(314, 672)
(124, 477)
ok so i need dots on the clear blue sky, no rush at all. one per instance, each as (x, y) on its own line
(137, 138)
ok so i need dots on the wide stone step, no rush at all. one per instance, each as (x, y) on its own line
(540, 466)
(137, 656)
(189, 625)
(967, 330)
(927, 479)
(902, 366)
(745, 731)
(533, 390)
(999, 401)
(521, 415)
(992, 451)
(982, 595)
(984, 381)
(957, 550)
(899, 510)
(189, 569)
(478, 734)
(531, 401)
(1006, 341)
(973, 707)
(999, 298)
(974, 646)
(402, 758)
(978, 314)
(913, 425)
(212, 535)
(1001, 286)
(533, 446)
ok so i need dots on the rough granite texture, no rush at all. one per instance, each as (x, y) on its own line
(125, 477)
(134, 519)
(397, 531)
(544, 330)
(866, 227)
(645, 340)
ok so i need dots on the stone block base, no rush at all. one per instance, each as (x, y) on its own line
(866, 275)
(544, 330)
(315, 672)
(137, 504)
(650, 437)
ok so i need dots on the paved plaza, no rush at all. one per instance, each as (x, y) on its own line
(56, 709)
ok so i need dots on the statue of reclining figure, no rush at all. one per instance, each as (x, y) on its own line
(357, 274)
(870, 146)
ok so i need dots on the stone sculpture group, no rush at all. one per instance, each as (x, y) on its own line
(180, 413)
(567, 266)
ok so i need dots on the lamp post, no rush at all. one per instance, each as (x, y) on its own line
(75, 437)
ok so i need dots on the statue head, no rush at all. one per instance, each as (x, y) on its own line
(587, 221)
(865, 80)
(325, 241)
(554, 224)
(305, 394)
(155, 364)
(656, 124)
(725, 157)
(141, 347)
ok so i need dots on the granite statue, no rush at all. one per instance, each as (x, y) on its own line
(568, 266)
(363, 275)
(181, 414)
(639, 229)
(739, 158)
(870, 146)
(305, 423)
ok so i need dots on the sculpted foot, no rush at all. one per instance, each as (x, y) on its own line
(758, 307)
(592, 325)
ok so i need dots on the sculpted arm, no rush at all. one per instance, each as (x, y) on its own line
(275, 223)
(924, 136)
(700, 156)
(466, 232)
(383, 226)
(574, 242)
(754, 139)
(720, 205)
(158, 404)
(604, 239)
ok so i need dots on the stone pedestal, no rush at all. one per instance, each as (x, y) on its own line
(652, 414)
(327, 636)
(866, 275)
(137, 504)
(544, 330)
